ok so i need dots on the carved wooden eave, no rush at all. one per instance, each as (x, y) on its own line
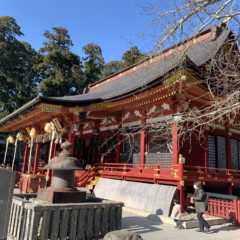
(178, 83)
(35, 117)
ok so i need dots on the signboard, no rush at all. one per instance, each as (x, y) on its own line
(7, 181)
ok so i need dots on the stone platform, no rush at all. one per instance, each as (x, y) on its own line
(33, 219)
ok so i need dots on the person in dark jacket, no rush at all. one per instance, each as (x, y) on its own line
(200, 201)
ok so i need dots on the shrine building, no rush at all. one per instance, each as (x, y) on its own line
(119, 127)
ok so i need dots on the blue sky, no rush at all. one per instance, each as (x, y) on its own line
(115, 25)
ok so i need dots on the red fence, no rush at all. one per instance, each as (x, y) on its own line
(193, 173)
(228, 209)
(162, 173)
(147, 173)
(83, 177)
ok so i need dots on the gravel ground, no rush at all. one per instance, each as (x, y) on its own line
(152, 230)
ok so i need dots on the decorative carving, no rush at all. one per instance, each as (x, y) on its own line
(76, 110)
(126, 116)
(152, 110)
(137, 113)
(45, 107)
(166, 106)
(57, 125)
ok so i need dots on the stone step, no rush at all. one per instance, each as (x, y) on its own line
(210, 219)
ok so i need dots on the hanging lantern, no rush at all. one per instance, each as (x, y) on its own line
(33, 133)
(11, 139)
(47, 127)
(20, 137)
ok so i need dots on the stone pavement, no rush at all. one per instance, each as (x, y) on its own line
(153, 230)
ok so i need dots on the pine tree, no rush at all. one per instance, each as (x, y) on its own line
(60, 69)
(132, 56)
(93, 62)
(17, 75)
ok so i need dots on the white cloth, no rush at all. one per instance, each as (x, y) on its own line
(176, 212)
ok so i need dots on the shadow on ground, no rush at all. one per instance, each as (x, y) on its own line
(140, 225)
(225, 228)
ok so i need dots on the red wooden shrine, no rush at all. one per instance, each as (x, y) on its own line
(115, 126)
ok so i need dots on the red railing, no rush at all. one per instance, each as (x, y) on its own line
(228, 209)
(192, 173)
(166, 173)
(139, 172)
(83, 177)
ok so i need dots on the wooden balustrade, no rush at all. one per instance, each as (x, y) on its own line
(140, 172)
(193, 173)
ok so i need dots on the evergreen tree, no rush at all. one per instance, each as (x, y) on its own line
(132, 56)
(60, 69)
(93, 62)
(17, 76)
(112, 67)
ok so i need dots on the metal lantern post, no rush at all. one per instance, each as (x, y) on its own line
(10, 139)
(19, 137)
(32, 134)
(50, 128)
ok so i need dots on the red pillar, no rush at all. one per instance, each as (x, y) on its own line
(54, 150)
(25, 158)
(229, 161)
(36, 158)
(142, 147)
(175, 145)
(178, 166)
(71, 139)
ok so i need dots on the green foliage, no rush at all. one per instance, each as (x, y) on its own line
(112, 67)
(59, 68)
(17, 76)
(93, 62)
(132, 56)
(57, 40)
(9, 29)
(53, 71)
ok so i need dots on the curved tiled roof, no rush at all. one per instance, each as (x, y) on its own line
(150, 70)
(142, 75)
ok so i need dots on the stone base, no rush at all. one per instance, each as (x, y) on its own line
(62, 195)
(33, 219)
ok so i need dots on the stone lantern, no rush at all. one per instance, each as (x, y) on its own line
(62, 183)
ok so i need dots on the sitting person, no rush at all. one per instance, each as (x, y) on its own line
(176, 214)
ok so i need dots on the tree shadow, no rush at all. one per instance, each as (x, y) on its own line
(140, 225)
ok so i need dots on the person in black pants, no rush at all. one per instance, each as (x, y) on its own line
(200, 201)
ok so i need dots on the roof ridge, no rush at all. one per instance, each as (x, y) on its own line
(173, 47)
